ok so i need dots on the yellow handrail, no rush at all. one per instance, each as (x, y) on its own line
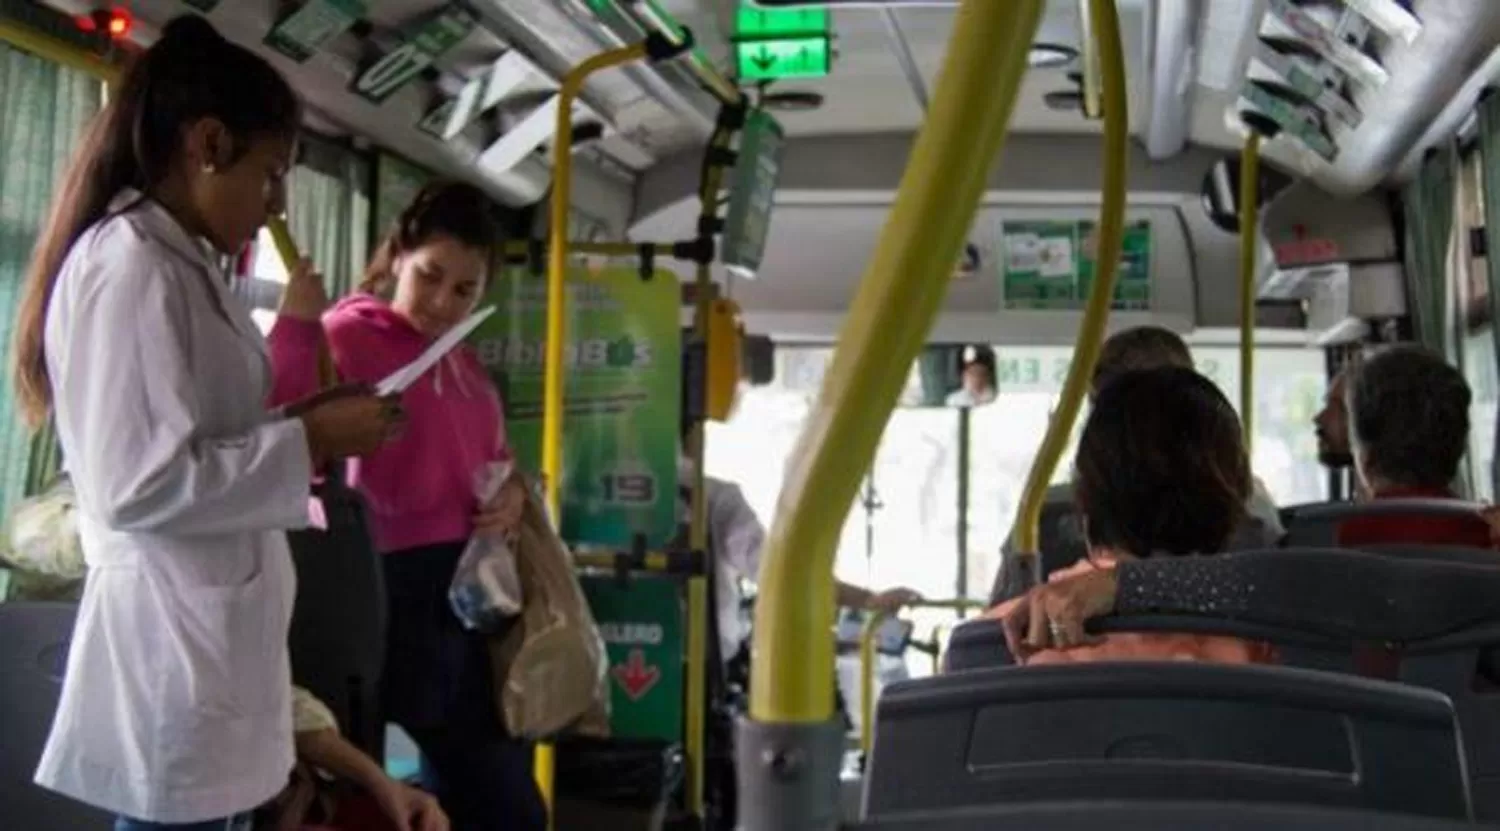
(56, 50)
(867, 659)
(557, 260)
(1101, 296)
(867, 680)
(557, 264)
(887, 323)
(1249, 224)
(697, 644)
(521, 248)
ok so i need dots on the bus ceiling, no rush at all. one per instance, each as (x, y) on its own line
(1194, 66)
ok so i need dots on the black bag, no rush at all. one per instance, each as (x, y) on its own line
(337, 640)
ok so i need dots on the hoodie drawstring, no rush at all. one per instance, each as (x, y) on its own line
(450, 362)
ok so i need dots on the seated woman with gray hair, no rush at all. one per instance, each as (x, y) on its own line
(1062, 541)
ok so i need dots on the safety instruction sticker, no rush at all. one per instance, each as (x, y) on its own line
(1050, 264)
(643, 625)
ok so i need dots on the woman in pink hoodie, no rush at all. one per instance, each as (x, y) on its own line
(427, 275)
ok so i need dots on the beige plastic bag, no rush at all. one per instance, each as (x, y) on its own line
(550, 670)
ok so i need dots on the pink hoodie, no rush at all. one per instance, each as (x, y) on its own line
(420, 486)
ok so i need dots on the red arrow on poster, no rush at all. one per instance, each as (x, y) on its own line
(635, 677)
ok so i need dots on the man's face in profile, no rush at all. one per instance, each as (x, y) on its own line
(1332, 424)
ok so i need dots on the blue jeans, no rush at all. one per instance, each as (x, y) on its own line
(238, 822)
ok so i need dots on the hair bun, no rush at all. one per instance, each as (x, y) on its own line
(191, 31)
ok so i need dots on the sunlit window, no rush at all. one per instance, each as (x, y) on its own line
(908, 533)
(266, 265)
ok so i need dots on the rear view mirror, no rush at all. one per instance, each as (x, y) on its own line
(956, 375)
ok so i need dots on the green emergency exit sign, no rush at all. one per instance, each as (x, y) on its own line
(768, 60)
(752, 23)
(781, 43)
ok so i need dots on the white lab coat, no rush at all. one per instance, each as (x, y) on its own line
(176, 704)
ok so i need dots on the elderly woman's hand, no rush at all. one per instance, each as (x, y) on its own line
(1052, 616)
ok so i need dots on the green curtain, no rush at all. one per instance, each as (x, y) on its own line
(43, 112)
(1428, 209)
(1489, 151)
(329, 211)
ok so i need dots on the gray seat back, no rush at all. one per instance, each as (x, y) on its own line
(34, 639)
(1463, 666)
(1155, 816)
(1317, 525)
(1165, 731)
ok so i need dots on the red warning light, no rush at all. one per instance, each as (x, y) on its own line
(114, 21)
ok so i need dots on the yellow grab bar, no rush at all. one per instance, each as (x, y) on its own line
(557, 264)
(698, 611)
(56, 50)
(1106, 20)
(867, 680)
(887, 323)
(557, 261)
(286, 247)
(1249, 224)
(867, 659)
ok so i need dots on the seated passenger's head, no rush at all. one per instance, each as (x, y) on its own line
(1161, 466)
(1144, 347)
(1408, 421)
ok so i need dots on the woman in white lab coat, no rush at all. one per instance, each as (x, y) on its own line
(175, 709)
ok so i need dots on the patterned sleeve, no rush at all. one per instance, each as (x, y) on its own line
(1184, 585)
(1336, 592)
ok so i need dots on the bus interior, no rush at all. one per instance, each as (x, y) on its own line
(781, 133)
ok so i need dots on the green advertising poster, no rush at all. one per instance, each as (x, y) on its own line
(642, 623)
(622, 395)
(397, 182)
(302, 33)
(1051, 265)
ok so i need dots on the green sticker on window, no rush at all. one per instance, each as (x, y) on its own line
(422, 48)
(301, 34)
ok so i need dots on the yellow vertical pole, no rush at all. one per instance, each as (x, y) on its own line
(1249, 236)
(1106, 22)
(557, 264)
(867, 659)
(886, 326)
(695, 725)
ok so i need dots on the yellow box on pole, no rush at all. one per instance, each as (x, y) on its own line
(725, 347)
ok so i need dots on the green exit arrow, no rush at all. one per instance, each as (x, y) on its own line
(764, 59)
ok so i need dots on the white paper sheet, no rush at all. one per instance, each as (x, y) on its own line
(404, 377)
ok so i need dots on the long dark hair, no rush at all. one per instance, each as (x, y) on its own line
(450, 209)
(190, 74)
(1161, 466)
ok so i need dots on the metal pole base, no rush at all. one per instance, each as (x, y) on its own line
(789, 775)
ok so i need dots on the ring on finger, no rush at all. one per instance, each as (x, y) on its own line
(1058, 632)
